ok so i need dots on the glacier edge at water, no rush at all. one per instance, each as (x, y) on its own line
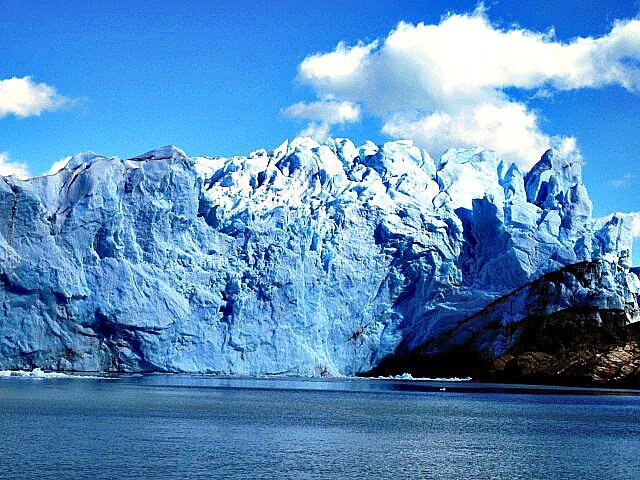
(314, 259)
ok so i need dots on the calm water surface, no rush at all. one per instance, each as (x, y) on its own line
(170, 426)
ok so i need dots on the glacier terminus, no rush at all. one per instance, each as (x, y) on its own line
(318, 258)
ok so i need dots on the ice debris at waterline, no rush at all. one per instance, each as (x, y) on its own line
(39, 374)
(408, 376)
(313, 259)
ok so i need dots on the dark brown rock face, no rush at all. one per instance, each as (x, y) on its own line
(613, 366)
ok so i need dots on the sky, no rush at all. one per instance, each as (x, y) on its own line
(224, 78)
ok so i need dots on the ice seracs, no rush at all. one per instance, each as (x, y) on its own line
(316, 258)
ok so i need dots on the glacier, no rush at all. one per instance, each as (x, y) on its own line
(313, 259)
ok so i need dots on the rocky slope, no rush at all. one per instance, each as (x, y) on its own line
(312, 259)
(577, 325)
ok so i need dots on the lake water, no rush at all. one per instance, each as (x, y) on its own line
(195, 427)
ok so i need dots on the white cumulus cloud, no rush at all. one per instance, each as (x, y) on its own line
(317, 130)
(57, 166)
(452, 83)
(8, 167)
(23, 97)
(507, 127)
(323, 115)
(341, 64)
(326, 111)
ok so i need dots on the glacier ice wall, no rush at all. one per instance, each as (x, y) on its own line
(312, 259)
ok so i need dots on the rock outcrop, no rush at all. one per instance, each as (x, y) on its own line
(577, 325)
(611, 365)
(312, 259)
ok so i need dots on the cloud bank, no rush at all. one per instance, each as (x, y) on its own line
(7, 167)
(23, 97)
(323, 115)
(453, 83)
(57, 166)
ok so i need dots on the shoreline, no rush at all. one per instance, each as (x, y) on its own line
(393, 383)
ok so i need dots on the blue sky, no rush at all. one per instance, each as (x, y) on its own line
(218, 77)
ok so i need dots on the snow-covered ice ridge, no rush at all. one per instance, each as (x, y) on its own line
(312, 259)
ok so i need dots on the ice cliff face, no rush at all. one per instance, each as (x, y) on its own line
(312, 259)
